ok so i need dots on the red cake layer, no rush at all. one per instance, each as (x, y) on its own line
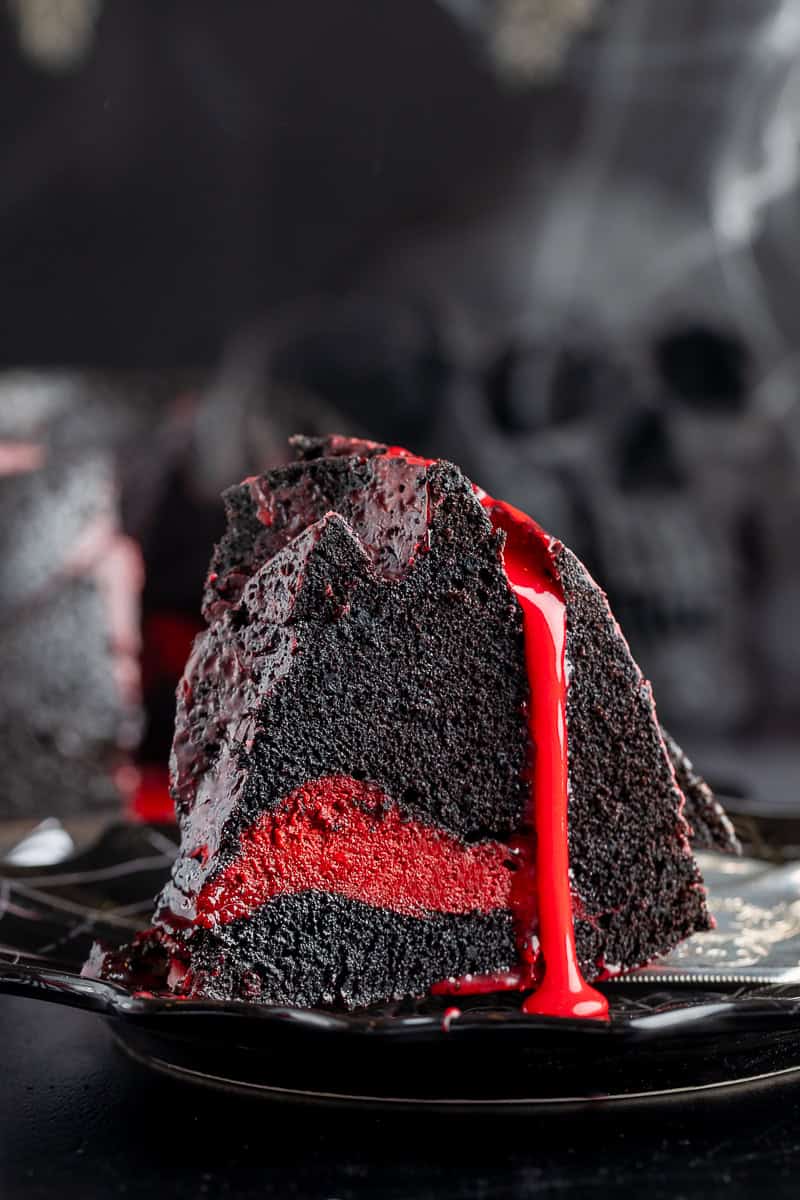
(527, 559)
(344, 836)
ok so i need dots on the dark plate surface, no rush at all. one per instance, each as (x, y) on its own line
(724, 1009)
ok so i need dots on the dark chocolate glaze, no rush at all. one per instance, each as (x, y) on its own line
(384, 501)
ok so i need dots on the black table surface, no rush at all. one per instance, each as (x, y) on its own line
(78, 1119)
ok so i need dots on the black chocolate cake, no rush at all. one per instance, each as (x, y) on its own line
(369, 766)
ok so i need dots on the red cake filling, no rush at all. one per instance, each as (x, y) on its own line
(344, 836)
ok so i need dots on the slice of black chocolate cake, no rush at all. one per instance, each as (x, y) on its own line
(369, 764)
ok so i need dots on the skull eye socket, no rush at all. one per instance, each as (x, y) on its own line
(706, 368)
(579, 379)
(532, 389)
(647, 458)
(514, 391)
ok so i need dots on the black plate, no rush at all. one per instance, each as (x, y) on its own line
(671, 1030)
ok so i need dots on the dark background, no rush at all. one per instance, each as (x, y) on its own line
(552, 241)
(556, 242)
(197, 166)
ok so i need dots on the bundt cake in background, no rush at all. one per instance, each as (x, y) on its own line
(69, 602)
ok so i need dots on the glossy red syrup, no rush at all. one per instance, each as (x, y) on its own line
(563, 991)
(344, 836)
(541, 894)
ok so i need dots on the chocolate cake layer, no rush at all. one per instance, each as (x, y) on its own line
(316, 949)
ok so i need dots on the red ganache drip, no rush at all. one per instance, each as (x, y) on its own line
(542, 887)
(563, 992)
(344, 836)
